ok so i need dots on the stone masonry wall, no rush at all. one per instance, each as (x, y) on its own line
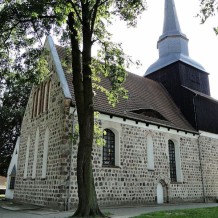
(209, 153)
(50, 191)
(131, 182)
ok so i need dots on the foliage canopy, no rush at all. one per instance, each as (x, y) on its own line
(79, 24)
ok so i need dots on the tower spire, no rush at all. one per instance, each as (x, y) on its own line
(171, 22)
(172, 44)
(172, 40)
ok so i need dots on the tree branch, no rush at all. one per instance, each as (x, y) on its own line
(95, 10)
(76, 11)
(103, 3)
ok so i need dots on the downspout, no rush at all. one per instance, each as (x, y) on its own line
(199, 149)
(71, 151)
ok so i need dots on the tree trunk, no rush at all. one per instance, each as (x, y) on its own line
(82, 83)
(88, 206)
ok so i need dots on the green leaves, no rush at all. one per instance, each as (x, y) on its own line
(112, 64)
(98, 131)
(208, 9)
(129, 10)
(23, 28)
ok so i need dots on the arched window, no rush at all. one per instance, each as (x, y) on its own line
(172, 159)
(49, 94)
(150, 153)
(45, 154)
(35, 154)
(42, 87)
(109, 148)
(38, 101)
(34, 103)
(27, 158)
(12, 178)
(45, 104)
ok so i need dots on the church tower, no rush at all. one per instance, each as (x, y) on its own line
(175, 68)
(185, 79)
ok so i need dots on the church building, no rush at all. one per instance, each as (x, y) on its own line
(161, 142)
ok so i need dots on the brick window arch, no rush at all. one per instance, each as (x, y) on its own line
(109, 148)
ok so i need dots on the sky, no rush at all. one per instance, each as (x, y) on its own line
(141, 42)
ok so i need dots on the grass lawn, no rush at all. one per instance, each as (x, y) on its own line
(211, 212)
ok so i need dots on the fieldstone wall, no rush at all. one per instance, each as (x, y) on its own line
(209, 154)
(131, 182)
(50, 191)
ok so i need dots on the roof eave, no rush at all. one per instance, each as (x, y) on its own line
(49, 44)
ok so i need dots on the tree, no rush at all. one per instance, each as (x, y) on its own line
(16, 81)
(81, 23)
(13, 103)
(208, 9)
(17, 75)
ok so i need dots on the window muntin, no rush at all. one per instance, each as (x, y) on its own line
(109, 148)
(172, 160)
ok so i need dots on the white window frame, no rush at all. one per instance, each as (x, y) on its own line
(27, 158)
(45, 154)
(116, 129)
(176, 141)
(35, 154)
(49, 94)
(38, 101)
(150, 152)
(45, 97)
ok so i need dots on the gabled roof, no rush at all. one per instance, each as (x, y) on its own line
(143, 94)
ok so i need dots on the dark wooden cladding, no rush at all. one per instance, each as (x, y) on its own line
(199, 109)
(187, 106)
(194, 78)
(207, 114)
(181, 74)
